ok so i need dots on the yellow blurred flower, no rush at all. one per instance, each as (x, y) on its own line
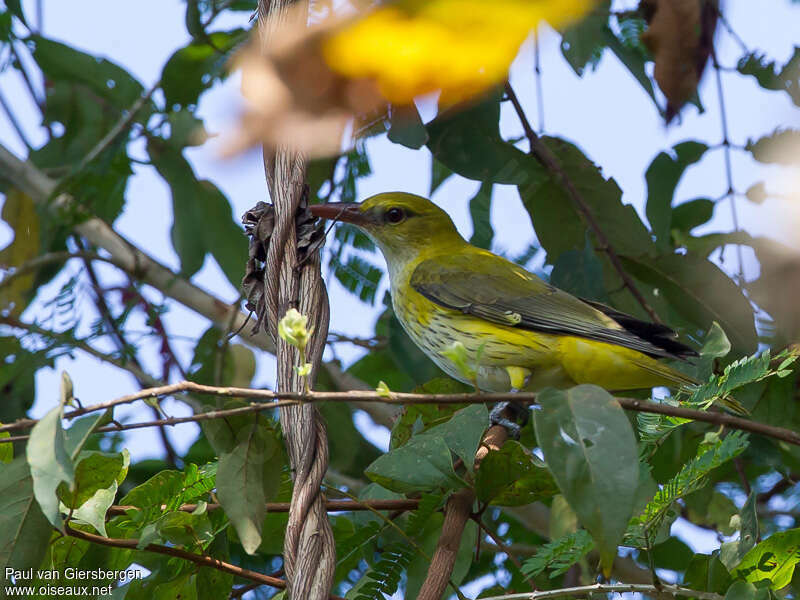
(461, 47)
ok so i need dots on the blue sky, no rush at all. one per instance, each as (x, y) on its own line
(606, 112)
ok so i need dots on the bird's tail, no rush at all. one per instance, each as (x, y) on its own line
(675, 379)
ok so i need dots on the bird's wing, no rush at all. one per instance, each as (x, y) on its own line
(492, 288)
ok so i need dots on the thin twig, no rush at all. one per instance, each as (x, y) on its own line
(726, 143)
(199, 559)
(279, 507)
(550, 162)
(289, 398)
(123, 347)
(12, 118)
(47, 259)
(120, 127)
(503, 547)
(28, 81)
(537, 69)
(617, 588)
(80, 344)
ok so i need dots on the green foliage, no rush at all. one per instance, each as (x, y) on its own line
(558, 556)
(424, 462)
(607, 480)
(769, 77)
(512, 476)
(652, 525)
(663, 176)
(772, 560)
(590, 449)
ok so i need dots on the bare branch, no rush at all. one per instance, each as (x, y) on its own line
(289, 398)
(330, 505)
(199, 559)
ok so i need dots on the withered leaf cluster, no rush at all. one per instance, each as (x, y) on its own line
(259, 224)
(680, 35)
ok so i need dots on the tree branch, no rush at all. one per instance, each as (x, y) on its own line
(617, 588)
(199, 559)
(502, 547)
(550, 162)
(141, 266)
(289, 398)
(279, 507)
(457, 512)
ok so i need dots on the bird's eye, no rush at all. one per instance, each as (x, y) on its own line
(395, 215)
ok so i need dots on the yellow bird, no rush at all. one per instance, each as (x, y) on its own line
(519, 332)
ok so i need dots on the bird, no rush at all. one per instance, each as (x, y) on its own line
(519, 331)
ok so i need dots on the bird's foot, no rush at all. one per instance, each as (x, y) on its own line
(511, 415)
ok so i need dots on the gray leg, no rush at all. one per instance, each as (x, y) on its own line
(511, 415)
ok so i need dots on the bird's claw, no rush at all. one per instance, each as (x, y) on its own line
(506, 414)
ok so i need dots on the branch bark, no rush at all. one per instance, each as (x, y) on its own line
(293, 398)
(457, 512)
(199, 559)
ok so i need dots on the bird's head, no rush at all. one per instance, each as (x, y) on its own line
(400, 224)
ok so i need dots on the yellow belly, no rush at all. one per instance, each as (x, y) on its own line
(554, 360)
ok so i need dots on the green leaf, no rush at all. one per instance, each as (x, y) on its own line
(17, 377)
(93, 510)
(691, 214)
(732, 553)
(185, 129)
(706, 573)
(198, 205)
(701, 292)
(50, 463)
(591, 451)
(455, 133)
(406, 127)
(417, 418)
(196, 67)
(779, 147)
(561, 226)
(649, 527)
(439, 174)
(773, 560)
(511, 477)
(480, 209)
(421, 465)
(19, 212)
(463, 432)
(94, 471)
(559, 555)
(213, 584)
(580, 273)
(739, 373)
(358, 276)
(78, 434)
(247, 477)
(787, 79)
(60, 62)
(582, 43)
(742, 590)
(24, 530)
(663, 176)
(6, 448)
(634, 59)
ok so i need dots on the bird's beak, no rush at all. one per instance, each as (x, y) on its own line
(347, 212)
